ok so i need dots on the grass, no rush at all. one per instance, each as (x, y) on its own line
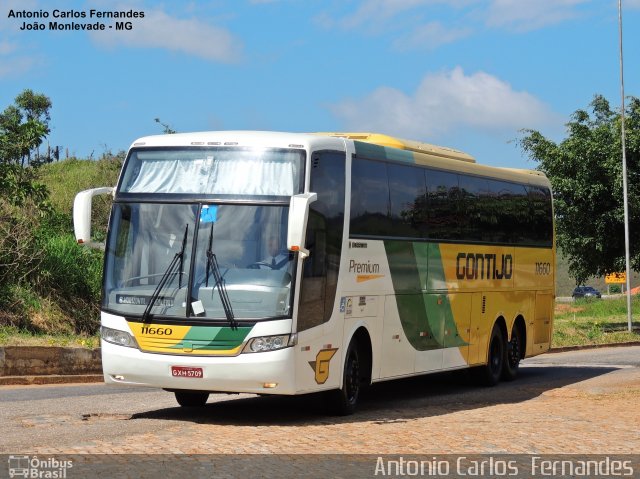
(66, 178)
(592, 322)
(12, 336)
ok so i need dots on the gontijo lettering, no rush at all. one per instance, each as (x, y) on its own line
(483, 266)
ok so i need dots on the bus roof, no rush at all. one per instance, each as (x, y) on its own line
(384, 146)
(432, 151)
(241, 138)
(438, 156)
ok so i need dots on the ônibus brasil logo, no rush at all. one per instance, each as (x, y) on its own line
(34, 467)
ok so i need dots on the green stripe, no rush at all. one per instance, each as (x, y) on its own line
(424, 316)
(214, 337)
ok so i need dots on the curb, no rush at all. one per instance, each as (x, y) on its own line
(592, 346)
(50, 379)
(25, 365)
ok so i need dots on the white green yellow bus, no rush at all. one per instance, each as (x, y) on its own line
(288, 263)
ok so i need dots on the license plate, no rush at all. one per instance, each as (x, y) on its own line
(186, 372)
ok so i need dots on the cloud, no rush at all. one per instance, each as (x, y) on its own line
(7, 47)
(160, 30)
(15, 60)
(430, 36)
(15, 67)
(445, 102)
(377, 11)
(412, 24)
(374, 14)
(527, 15)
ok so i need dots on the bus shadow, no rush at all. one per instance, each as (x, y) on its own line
(389, 402)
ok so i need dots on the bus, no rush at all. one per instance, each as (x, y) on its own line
(291, 263)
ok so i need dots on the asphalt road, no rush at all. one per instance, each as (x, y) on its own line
(70, 417)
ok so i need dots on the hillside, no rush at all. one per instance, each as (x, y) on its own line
(49, 284)
(565, 283)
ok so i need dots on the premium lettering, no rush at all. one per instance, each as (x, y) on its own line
(368, 267)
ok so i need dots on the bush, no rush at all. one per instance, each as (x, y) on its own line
(74, 274)
(47, 282)
(19, 254)
(71, 270)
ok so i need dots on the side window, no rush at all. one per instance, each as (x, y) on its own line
(408, 205)
(475, 219)
(369, 199)
(324, 239)
(444, 204)
(540, 216)
(514, 217)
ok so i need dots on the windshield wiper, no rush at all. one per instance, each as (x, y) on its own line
(178, 259)
(212, 265)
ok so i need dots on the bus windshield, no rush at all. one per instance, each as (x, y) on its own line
(238, 247)
(214, 171)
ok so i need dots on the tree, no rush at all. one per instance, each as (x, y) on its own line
(166, 129)
(585, 170)
(23, 127)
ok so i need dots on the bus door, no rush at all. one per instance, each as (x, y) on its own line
(318, 336)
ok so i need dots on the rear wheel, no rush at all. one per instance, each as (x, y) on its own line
(345, 399)
(191, 398)
(513, 355)
(490, 374)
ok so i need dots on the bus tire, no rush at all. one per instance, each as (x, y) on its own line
(513, 353)
(191, 398)
(345, 399)
(490, 373)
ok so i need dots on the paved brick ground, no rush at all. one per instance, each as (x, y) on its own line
(594, 412)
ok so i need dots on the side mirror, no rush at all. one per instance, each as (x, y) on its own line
(82, 215)
(298, 216)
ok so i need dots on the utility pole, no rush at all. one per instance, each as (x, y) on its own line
(624, 172)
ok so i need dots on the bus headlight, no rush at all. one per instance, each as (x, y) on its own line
(270, 343)
(115, 336)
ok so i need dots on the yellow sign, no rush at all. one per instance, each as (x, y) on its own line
(616, 278)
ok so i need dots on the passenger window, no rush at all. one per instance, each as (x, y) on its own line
(369, 199)
(444, 204)
(541, 220)
(408, 205)
(476, 220)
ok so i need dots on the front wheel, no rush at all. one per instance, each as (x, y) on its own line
(345, 400)
(191, 398)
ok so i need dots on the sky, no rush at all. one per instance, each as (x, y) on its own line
(468, 74)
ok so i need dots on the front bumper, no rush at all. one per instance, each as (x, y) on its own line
(260, 373)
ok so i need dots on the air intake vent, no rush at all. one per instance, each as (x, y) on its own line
(484, 304)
